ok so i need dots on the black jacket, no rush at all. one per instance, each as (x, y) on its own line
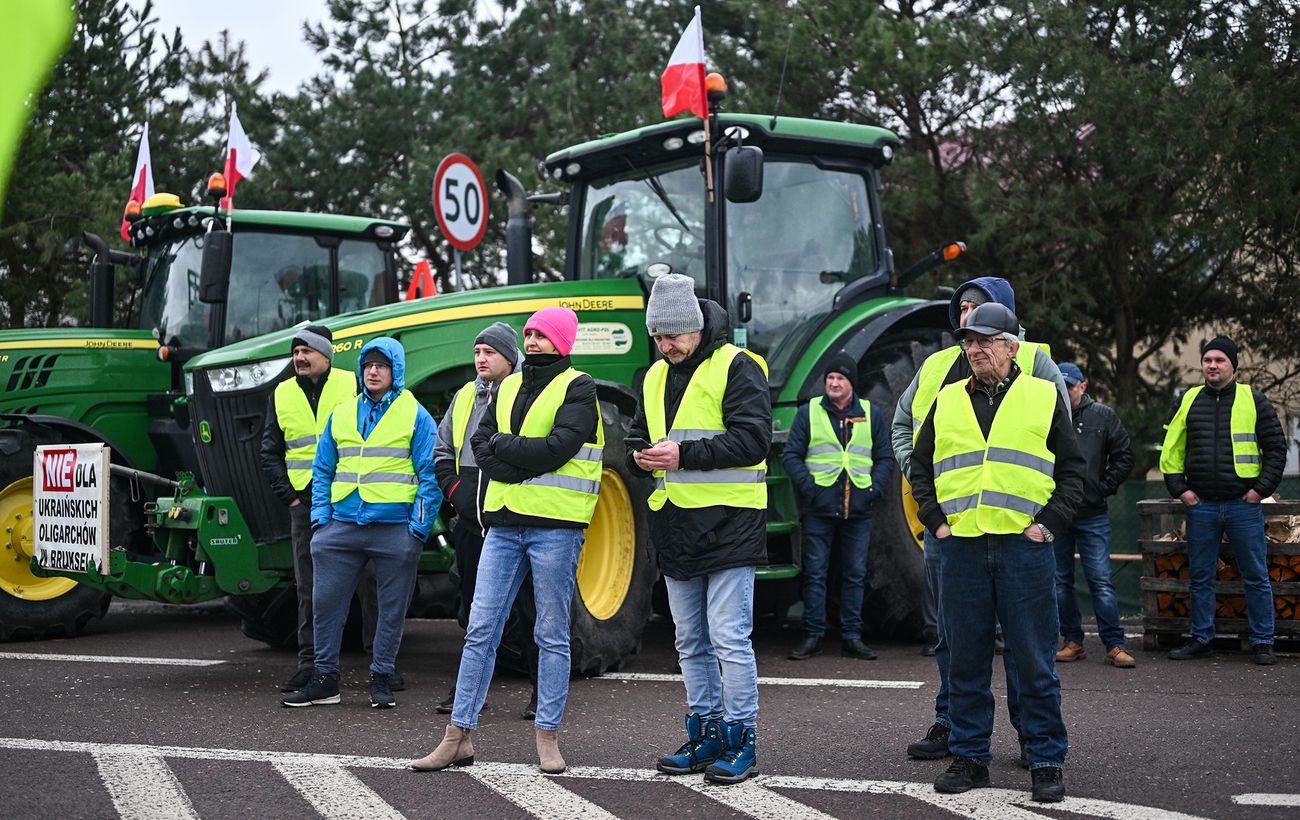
(841, 499)
(1061, 441)
(1209, 467)
(1105, 444)
(695, 542)
(273, 449)
(513, 458)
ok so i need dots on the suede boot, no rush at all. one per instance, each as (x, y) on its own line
(456, 749)
(548, 752)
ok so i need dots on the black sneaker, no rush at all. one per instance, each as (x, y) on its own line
(381, 691)
(396, 682)
(321, 690)
(1191, 649)
(530, 711)
(448, 703)
(934, 746)
(809, 647)
(928, 641)
(1048, 784)
(298, 681)
(1263, 653)
(963, 775)
(855, 648)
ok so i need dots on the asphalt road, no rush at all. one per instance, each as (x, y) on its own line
(109, 725)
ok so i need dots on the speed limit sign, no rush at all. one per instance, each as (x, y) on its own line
(460, 201)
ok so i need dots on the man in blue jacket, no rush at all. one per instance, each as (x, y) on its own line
(374, 498)
(838, 458)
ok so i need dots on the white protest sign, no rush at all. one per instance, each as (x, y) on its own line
(70, 498)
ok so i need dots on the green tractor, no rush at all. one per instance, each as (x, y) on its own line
(192, 291)
(791, 243)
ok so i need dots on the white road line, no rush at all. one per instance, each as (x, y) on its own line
(751, 798)
(845, 682)
(143, 787)
(49, 656)
(1264, 799)
(535, 793)
(335, 792)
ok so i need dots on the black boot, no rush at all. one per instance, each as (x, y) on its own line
(445, 705)
(933, 746)
(963, 775)
(809, 647)
(1048, 784)
(530, 711)
(855, 648)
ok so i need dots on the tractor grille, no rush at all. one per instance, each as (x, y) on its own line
(231, 463)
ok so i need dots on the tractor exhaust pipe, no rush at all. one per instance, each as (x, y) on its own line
(101, 281)
(519, 230)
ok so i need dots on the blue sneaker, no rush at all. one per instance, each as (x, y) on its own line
(739, 762)
(703, 745)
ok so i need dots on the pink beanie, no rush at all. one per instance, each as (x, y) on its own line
(558, 324)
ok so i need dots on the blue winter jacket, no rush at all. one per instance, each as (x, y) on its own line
(418, 516)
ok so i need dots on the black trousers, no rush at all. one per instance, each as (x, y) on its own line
(467, 541)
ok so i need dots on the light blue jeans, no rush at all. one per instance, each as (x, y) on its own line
(509, 553)
(714, 615)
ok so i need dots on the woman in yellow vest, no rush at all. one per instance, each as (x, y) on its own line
(540, 445)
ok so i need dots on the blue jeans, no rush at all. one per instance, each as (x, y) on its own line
(509, 554)
(1010, 579)
(339, 551)
(819, 535)
(933, 547)
(1091, 537)
(714, 615)
(1244, 524)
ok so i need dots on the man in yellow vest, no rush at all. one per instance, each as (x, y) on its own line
(706, 413)
(296, 413)
(374, 498)
(1224, 452)
(838, 458)
(996, 471)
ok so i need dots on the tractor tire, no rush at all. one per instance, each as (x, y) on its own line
(272, 618)
(895, 586)
(33, 608)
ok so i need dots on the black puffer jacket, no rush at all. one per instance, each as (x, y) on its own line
(696, 542)
(1209, 469)
(514, 458)
(1105, 444)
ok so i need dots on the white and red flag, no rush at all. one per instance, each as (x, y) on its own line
(141, 180)
(241, 156)
(683, 80)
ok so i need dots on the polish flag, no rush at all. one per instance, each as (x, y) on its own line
(241, 156)
(683, 80)
(141, 180)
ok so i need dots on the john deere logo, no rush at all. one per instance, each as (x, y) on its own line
(205, 432)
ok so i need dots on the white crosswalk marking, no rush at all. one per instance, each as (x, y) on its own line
(126, 659)
(335, 792)
(535, 793)
(751, 798)
(143, 786)
(850, 683)
(1264, 799)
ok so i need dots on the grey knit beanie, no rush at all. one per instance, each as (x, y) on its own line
(975, 295)
(673, 308)
(502, 338)
(317, 337)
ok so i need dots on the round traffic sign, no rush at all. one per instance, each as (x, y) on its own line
(460, 201)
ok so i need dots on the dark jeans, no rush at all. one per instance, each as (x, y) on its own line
(300, 533)
(1091, 538)
(468, 543)
(1010, 579)
(1244, 524)
(820, 534)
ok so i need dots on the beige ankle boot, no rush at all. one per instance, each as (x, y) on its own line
(548, 752)
(456, 749)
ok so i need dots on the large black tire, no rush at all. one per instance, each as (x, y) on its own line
(67, 614)
(272, 618)
(895, 586)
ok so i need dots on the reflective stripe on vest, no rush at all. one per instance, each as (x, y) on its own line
(699, 416)
(827, 458)
(569, 493)
(996, 486)
(301, 429)
(461, 409)
(1247, 461)
(935, 369)
(379, 468)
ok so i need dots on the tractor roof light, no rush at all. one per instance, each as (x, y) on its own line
(953, 250)
(132, 212)
(716, 86)
(217, 186)
(673, 143)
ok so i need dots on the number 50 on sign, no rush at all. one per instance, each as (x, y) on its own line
(460, 201)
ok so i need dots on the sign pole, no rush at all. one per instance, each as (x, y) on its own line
(456, 256)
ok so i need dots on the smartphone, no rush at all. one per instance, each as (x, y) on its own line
(637, 444)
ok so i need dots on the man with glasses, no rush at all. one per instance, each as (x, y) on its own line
(996, 471)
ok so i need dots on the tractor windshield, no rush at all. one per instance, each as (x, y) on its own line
(276, 280)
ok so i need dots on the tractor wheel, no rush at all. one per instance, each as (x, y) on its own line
(272, 618)
(33, 608)
(895, 586)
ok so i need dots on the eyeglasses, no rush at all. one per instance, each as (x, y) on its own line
(375, 366)
(984, 342)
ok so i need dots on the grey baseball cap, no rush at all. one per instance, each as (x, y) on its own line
(990, 319)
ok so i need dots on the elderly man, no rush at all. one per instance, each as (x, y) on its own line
(996, 471)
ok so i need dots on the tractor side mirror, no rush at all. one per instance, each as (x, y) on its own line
(743, 177)
(214, 272)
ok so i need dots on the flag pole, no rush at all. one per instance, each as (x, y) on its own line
(708, 159)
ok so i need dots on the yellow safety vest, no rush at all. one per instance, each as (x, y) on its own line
(461, 408)
(301, 429)
(827, 458)
(936, 367)
(379, 467)
(699, 416)
(569, 493)
(996, 486)
(1245, 445)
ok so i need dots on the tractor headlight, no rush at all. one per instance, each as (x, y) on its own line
(246, 376)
